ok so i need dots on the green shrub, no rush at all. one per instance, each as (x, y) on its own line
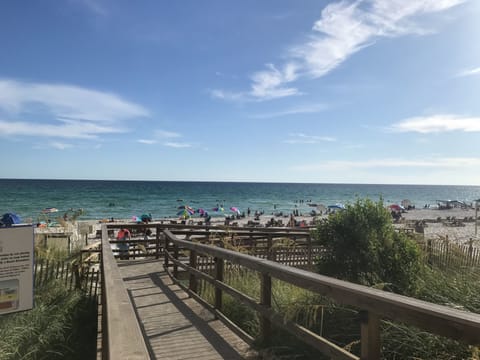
(362, 246)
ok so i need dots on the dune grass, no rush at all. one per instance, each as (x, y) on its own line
(445, 285)
(62, 324)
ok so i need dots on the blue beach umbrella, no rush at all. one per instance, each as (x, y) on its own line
(10, 219)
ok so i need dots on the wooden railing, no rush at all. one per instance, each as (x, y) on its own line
(373, 304)
(121, 334)
(259, 242)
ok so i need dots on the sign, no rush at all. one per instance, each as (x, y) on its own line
(16, 269)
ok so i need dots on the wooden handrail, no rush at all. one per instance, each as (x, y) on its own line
(373, 303)
(122, 337)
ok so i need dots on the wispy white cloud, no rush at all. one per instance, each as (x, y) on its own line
(469, 72)
(60, 145)
(344, 28)
(66, 111)
(438, 123)
(67, 102)
(437, 163)
(147, 141)
(304, 109)
(164, 137)
(177, 144)
(163, 134)
(300, 138)
(63, 129)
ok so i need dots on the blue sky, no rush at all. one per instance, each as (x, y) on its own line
(367, 91)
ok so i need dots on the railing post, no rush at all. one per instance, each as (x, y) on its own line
(219, 277)
(309, 252)
(193, 263)
(166, 251)
(270, 254)
(265, 300)
(370, 336)
(157, 242)
(175, 266)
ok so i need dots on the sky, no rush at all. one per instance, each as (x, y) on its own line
(349, 91)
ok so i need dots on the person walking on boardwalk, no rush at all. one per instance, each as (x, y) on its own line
(123, 236)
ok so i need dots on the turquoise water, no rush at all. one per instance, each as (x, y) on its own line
(124, 199)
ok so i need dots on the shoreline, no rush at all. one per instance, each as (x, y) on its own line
(456, 225)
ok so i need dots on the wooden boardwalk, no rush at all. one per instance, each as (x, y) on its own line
(174, 325)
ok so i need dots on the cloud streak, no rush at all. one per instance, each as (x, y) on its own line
(300, 138)
(165, 137)
(437, 124)
(434, 163)
(344, 28)
(66, 111)
(469, 72)
(306, 109)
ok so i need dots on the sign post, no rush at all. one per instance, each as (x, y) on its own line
(16, 269)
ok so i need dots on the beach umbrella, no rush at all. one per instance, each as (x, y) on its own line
(395, 207)
(201, 211)
(146, 217)
(9, 219)
(218, 209)
(337, 206)
(188, 209)
(235, 210)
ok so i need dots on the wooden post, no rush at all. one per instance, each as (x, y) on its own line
(219, 277)
(193, 263)
(175, 266)
(265, 300)
(270, 254)
(157, 243)
(309, 252)
(370, 336)
(76, 274)
(166, 251)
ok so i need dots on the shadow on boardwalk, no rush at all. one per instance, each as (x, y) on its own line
(174, 325)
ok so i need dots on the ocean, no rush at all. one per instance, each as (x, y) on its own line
(124, 199)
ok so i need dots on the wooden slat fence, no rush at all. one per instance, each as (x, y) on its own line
(74, 277)
(451, 255)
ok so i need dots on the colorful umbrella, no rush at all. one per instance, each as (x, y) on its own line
(188, 209)
(218, 209)
(235, 210)
(201, 211)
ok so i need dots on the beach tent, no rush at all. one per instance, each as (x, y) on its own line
(10, 219)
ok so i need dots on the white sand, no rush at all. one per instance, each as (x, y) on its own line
(433, 230)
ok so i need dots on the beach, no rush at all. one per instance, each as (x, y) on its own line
(456, 225)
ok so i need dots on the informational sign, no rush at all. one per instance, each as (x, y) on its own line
(16, 269)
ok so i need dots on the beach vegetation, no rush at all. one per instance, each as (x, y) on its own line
(363, 238)
(62, 324)
(360, 245)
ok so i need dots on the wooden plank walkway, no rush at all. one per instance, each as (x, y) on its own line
(174, 325)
